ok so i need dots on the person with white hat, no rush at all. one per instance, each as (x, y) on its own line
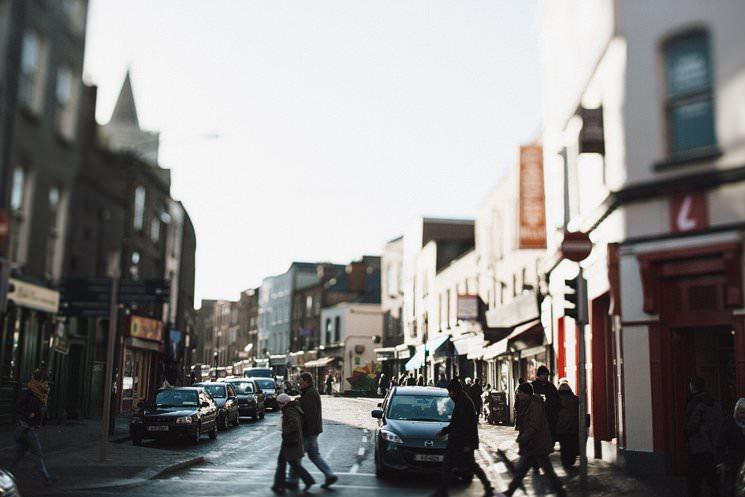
(292, 450)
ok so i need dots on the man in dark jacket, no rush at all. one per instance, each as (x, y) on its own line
(535, 441)
(476, 392)
(543, 387)
(291, 451)
(310, 401)
(31, 410)
(731, 445)
(463, 439)
(703, 418)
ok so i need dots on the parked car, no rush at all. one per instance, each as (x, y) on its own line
(186, 412)
(405, 438)
(226, 401)
(249, 396)
(257, 373)
(269, 387)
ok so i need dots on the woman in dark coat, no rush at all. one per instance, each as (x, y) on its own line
(731, 443)
(292, 450)
(567, 425)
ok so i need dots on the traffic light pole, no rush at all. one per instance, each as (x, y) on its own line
(111, 342)
(582, 320)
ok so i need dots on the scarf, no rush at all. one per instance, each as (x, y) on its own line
(39, 389)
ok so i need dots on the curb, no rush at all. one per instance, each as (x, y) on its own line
(175, 467)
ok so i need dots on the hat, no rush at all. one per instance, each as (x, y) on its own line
(525, 388)
(283, 398)
(542, 370)
(455, 386)
(563, 380)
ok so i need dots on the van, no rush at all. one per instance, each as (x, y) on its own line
(257, 373)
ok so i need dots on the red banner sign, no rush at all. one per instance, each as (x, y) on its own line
(145, 328)
(532, 230)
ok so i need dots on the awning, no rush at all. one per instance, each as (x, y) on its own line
(523, 308)
(434, 344)
(495, 349)
(385, 353)
(464, 344)
(476, 348)
(522, 337)
(319, 363)
(417, 361)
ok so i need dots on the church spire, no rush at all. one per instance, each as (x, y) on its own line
(125, 111)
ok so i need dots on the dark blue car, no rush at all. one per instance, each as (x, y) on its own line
(227, 403)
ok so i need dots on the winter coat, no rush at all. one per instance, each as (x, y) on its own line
(463, 429)
(534, 436)
(702, 422)
(31, 410)
(292, 432)
(731, 444)
(568, 420)
(476, 392)
(553, 402)
(310, 402)
(410, 381)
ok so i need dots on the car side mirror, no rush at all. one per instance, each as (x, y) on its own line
(377, 413)
(204, 404)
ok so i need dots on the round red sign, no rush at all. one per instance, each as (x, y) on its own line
(4, 226)
(576, 246)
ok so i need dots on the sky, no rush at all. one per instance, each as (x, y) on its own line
(319, 130)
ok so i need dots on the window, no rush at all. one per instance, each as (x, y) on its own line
(17, 194)
(328, 331)
(139, 214)
(155, 230)
(20, 211)
(75, 12)
(337, 329)
(53, 239)
(67, 102)
(31, 78)
(690, 101)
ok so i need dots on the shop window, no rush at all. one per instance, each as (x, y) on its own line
(689, 95)
(337, 328)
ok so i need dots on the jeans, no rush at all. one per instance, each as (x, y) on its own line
(310, 443)
(30, 442)
(460, 459)
(526, 462)
(295, 466)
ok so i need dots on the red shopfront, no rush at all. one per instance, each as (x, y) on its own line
(142, 348)
(695, 291)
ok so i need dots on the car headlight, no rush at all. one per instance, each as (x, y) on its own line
(7, 483)
(184, 419)
(389, 436)
(136, 420)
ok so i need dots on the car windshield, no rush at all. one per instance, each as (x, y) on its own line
(176, 398)
(242, 387)
(420, 408)
(266, 384)
(217, 391)
(263, 372)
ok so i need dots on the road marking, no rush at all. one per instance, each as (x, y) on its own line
(364, 440)
(365, 431)
(331, 451)
(354, 469)
(361, 452)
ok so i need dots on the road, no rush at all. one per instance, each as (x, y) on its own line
(241, 461)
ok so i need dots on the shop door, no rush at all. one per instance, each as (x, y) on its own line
(708, 352)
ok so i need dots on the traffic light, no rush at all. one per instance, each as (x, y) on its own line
(575, 298)
(5, 286)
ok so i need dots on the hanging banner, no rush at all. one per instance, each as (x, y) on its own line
(532, 216)
(145, 328)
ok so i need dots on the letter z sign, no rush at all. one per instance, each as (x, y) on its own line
(689, 212)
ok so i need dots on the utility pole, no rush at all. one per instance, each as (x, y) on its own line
(582, 320)
(108, 372)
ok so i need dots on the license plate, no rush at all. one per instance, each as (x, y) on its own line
(157, 428)
(428, 457)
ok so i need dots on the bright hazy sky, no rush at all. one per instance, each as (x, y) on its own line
(339, 121)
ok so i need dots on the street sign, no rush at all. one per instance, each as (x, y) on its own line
(85, 297)
(4, 225)
(144, 291)
(576, 246)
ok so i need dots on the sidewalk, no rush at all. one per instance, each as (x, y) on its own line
(603, 479)
(72, 455)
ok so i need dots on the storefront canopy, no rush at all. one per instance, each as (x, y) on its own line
(435, 344)
(319, 363)
(522, 337)
(417, 361)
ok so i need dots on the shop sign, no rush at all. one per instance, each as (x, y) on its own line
(146, 329)
(468, 307)
(532, 227)
(33, 296)
(689, 212)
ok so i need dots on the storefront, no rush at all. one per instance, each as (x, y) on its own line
(142, 350)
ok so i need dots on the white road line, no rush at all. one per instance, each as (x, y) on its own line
(331, 451)
(353, 470)
(365, 431)
(361, 452)
(364, 440)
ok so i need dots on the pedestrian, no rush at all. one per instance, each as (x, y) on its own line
(731, 445)
(520, 381)
(329, 384)
(543, 387)
(442, 382)
(567, 425)
(291, 451)
(310, 402)
(430, 383)
(383, 384)
(534, 440)
(32, 413)
(703, 418)
(410, 380)
(476, 392)
(420, 381)
(463, 440)
(394, 381)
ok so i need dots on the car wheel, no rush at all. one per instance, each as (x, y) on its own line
(136, 441)
(380, 471)
(196, 435)
(213, 433)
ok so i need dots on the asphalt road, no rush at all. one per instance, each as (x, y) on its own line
(241, 461)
